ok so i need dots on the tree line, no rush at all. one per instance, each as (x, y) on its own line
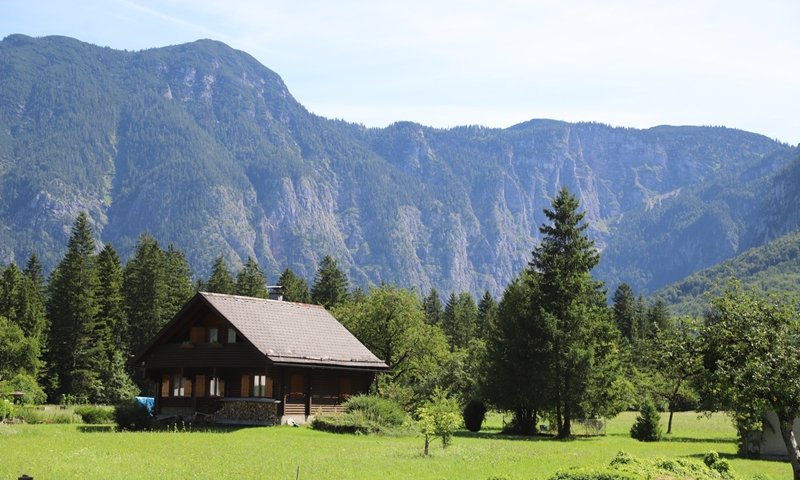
(552, 350)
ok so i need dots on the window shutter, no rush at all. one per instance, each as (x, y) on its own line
(245, 385)
(200, 386)
(165, 385)
(197, 335)
(187, 387)
(269, 387)
(221, 387)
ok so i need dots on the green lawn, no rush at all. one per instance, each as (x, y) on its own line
(75, 451)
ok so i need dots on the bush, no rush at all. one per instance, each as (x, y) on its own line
(345, 423)
(133, 416)
(626, 467)
(7, 410)
(474, 414)
(713, 461)
(647, 427)
(38, 415)
(439, 417)
(94, 414)
(379, 410)
(32, 392)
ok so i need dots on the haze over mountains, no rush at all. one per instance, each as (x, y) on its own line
(202, 146)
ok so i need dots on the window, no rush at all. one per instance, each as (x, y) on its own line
(177, 385)
(216, 387)
(298, 383)
(213, 335)
(262, 386)
(231, 335)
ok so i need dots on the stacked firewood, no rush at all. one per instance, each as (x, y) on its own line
(247, 412)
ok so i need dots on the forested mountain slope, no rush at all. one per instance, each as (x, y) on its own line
(202, 146)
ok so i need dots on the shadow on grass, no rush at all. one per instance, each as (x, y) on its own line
(733, 456)
(170, 429)
(697, 440)
(496, 434)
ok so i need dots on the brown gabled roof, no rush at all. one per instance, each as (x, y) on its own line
(293, 333)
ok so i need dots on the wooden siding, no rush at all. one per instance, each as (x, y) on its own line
(174, 355)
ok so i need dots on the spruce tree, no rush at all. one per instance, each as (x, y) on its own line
(432, 306)
(294, 288)
(574, 305)
(143, 277)
(330, 284)
(625, 314)
(250, 281)
(72, 306)
(487, 315)
(460, 319)
(177, 280)
(221, 280)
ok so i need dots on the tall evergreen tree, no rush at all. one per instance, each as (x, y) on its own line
(250, 281)
(460, 319)
(143, 276)
(330, 284)
(221, 279)
(487, 314)
(574, 305)
(111, 326)
(33, 270)
(178, 281)
(625, 314)
(294, 288)
(432, 306)
(71, 306)
(658, 318)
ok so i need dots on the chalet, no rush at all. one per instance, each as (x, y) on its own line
(255, 361)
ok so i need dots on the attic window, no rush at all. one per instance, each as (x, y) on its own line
(213, 335)
(231, 335)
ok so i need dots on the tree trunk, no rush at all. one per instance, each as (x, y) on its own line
(791, 445)
(566, 428)
(427, 443)
(669, 423)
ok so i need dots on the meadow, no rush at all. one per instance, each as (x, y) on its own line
(88, 452)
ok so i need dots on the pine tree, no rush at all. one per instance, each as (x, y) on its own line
(250, 281)
(72, 306)
(221, 280)
(143, 277)
(432, 306)
(330, 284)
(647, 427)
(574, 304)
(294, 288)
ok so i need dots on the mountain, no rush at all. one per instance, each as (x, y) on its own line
(773, 267)
(203, 147)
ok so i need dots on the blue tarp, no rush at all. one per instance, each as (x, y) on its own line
(148, 402)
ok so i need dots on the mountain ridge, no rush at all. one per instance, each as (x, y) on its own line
(202, 146)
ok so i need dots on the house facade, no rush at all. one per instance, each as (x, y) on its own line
(246, 360)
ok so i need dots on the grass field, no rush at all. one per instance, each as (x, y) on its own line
(89, 452)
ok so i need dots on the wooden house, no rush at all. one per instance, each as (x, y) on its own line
(255, 361)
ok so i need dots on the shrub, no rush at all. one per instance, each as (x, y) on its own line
(379, 410)
(713, 461)
(354, 422)
(647, 427)
(32, 392)
(133, 416)
(627, 467)
(7, 410)
(38, 415)
(94, 414)
(474, 414)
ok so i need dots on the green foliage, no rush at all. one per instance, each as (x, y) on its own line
(294, 288)
(389, 321)
(221, 280)
(487, 315)
(751, 362)
(626, 467)
(364, 414)
(7, 410)
(21, 382)
(18, 353)
(713, 460)
(439, 416)
(432, 306)
(133, 416)
(95, 414)
(330, 284)
(40, 416)
(460, 320)
(382, 411)
(647, 427)
(474, 413)
(250, 281)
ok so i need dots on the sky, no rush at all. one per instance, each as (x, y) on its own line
(445, 63)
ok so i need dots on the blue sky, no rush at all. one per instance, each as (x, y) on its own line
(634, 63)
